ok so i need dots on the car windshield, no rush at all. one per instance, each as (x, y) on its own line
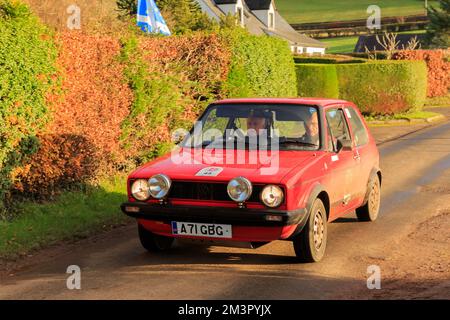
(250, 126)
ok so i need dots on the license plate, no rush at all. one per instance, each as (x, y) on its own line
(201, 229)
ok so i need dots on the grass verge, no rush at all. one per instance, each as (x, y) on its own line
(71, 216)
(438, 101)
(416, 115)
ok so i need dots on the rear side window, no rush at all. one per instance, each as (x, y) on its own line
(360, 134)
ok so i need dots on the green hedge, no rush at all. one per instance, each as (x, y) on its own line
(27, 64)
(384, 87)
(380, 87)
(158, 100)
(317, 80)
(261, 66)
(301, 59)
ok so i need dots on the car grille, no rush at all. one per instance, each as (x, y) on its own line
(206, 191)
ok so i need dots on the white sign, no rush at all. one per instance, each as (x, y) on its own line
(209, 172)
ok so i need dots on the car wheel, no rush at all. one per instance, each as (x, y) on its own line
(153, 242)
(310, 244)
(369, 211)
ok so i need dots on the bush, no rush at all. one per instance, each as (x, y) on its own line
(61, 162)
(437, 65)
(384, 87)
(261, 66)
(317, 80)
(27, 73)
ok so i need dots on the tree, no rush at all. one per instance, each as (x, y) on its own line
(126, 8)
(182, 16)
(438, 30)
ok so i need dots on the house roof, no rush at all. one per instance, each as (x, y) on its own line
(225, 1)
(282, 28)
(258, 4)
(372, 44)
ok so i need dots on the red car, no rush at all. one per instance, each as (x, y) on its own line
(252, 171)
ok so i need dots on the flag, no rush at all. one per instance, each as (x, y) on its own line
(149, 18)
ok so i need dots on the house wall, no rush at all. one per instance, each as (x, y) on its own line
(307, 50)
(263, 16)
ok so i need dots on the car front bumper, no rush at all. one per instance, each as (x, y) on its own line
(218, 215)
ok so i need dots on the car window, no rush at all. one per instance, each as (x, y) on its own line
(337, 126)
(284, 126)
(214, 122)
(360, 135)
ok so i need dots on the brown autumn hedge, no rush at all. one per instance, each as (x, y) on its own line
(437, 65)
(63, 160)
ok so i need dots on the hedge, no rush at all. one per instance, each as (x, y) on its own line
(302, 59)
(27, 73)
(173, 80)
(380, 87)
(384, 87)
(121, 99)
(261, 66)
(438, 68)
(117, 100)
(317, 80)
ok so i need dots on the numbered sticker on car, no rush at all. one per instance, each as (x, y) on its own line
(202, 229)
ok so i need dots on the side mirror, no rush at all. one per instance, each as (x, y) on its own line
(344, 145)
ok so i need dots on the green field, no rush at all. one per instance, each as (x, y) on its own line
(347, 44)
(301, 11)
(340, 45)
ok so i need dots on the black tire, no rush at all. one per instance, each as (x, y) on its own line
(370, 210)
(311, 243)
(153, 242)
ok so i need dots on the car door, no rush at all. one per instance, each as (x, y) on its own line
(362, 150)
(342, 165)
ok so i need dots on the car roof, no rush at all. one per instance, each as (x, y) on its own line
(320, 102)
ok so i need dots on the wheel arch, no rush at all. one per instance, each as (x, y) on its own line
(317, 192)
(380, 176)
(376, 172)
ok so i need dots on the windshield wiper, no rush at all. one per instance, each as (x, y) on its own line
(297, 142)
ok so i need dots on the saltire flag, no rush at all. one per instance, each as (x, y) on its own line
(149, 18)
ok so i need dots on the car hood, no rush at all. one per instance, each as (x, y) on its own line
(265, 168)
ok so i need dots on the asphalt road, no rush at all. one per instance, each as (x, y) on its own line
(415, 206)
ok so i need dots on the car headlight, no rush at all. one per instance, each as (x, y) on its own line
(239, 189)
(159, 186)
(272, 196)
(140, 189)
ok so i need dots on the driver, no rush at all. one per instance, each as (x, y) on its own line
(312, 129)
(256, 125)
